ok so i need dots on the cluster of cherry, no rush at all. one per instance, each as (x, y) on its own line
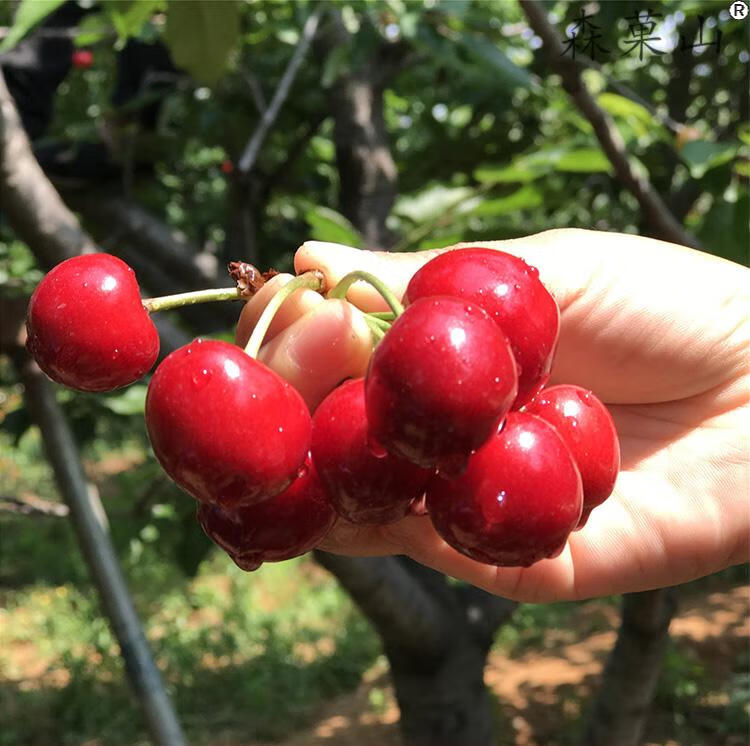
(453, 419)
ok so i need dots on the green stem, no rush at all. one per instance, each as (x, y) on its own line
(379, 323)
(168, 302)
(383, 315)
(312, 280)
(377, 331)
(347, 281)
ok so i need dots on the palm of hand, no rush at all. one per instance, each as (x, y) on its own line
(670, 361)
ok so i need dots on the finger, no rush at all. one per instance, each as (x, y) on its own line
(330, 343)
(335, 261)
(562, 272)
(294, 307)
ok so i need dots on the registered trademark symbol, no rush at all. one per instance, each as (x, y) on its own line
(738, 10)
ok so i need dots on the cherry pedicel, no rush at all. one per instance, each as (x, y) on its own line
(517, 501)
(510, 291)
(226, 428)
(587, 428)
(87, 326)
(285, 526)
(439, 383)
(362, 487)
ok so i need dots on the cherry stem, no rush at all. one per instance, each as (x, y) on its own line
(347, 281)
(168, 302)
(374, 321)
(377, 331)
(313, 280)
(383, 315)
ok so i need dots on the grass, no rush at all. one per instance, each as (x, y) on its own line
(244, 655)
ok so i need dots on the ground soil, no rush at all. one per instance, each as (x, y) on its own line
(541, 691)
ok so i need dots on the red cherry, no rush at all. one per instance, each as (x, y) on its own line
(285, 526)
(588, 430)
(87, 327)
(439, 383)
(511, 293)
(518, 499)
(82, 59)
(225, 427)
(361, 487)
(227, 167)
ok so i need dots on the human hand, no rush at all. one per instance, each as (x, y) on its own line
(659, 332)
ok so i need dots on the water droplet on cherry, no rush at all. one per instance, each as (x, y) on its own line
(202, 378)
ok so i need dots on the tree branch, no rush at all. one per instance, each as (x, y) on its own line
(28, 504)
(252, 149)
(35, 211)
(405, 615)
(654, 208)
(99, 553)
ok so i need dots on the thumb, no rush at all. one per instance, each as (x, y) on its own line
(335, 260)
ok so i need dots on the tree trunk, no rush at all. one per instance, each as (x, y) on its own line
(620, 711)
(366, 168)
(436, 638)
(444, 701)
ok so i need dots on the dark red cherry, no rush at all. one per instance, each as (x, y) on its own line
(511, 293)
(517, 501)
(82, 59)
(225, 427)
(587, 427)
(87, 327)
(439, 383)
(284, 526)
(361, 487)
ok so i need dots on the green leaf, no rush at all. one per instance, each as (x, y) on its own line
(28, 15)
(92, 30)
(131, 401)
(638, 117)
(336, 62)
(724, 229)
(520, 173)
(329, 225)
(506, 73)
(524, 168)
(201, 35)
(523, 198)
(432, 202)
(584, 160)
(701, 156)
(129, 16)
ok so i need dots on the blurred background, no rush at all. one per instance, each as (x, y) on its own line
(182, 135)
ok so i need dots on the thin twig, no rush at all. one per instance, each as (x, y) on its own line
(252, 149)
(32, 505)
(256, 92)
(655, 210)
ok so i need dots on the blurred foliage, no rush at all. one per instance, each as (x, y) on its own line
(487, 145)
(243, 659)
